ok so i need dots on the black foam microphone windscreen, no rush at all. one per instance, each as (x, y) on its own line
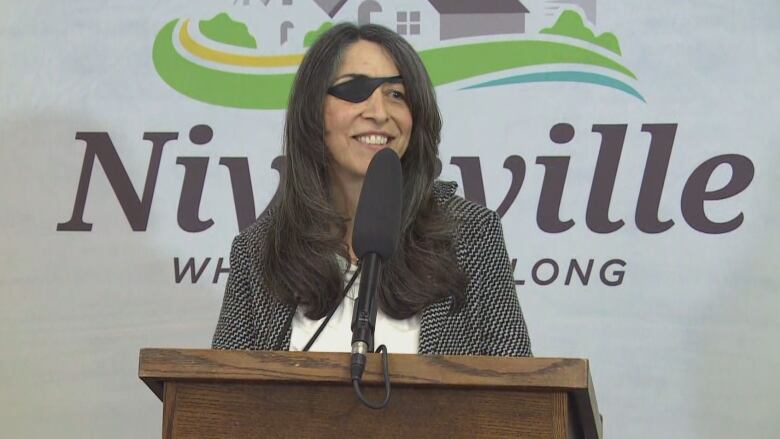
(378, 217)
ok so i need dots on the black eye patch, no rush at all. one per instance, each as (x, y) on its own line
(360, 87)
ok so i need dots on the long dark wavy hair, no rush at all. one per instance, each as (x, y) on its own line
(306, 232)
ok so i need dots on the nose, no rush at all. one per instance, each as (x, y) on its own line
(375, 107)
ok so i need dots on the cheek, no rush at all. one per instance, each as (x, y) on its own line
(404, 119)
(406, 124)
(329, 118)
(337, 120)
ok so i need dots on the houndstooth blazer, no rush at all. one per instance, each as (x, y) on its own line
(490, 323)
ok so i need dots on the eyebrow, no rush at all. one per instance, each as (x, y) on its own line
(360, 75)
(349, 75)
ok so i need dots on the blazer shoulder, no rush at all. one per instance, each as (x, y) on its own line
(256, 232)
(468, 215)
(247, 247)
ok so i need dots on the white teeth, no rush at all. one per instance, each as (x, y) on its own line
(373, 139)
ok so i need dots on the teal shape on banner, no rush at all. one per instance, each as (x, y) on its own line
(580, 77)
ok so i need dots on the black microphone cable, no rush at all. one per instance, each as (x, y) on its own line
(332, 311)
(288, 324)
(356, 378)
(357, 374)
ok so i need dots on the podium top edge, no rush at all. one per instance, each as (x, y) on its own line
(532, 374)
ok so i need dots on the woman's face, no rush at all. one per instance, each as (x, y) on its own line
(354, 132)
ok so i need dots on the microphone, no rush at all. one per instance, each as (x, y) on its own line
(375, 237)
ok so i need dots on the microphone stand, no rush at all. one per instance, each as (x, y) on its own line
(364, 315)
(363, 325)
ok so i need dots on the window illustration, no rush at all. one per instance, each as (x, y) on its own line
(408, 23)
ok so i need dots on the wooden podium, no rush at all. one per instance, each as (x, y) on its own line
(259, 394)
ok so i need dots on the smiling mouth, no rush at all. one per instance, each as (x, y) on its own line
(374, 139)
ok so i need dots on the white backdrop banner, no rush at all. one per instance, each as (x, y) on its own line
(631, 148)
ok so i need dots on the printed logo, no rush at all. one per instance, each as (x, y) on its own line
(471, 46)
(247, 58)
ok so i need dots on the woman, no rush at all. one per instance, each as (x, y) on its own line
(448, 289)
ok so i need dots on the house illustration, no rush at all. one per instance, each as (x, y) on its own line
(442, 19)
(416, 20)
(461, 18)
(284, 23)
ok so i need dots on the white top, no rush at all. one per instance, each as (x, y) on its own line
(400, 336)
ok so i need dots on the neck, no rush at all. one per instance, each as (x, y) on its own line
(345, 191)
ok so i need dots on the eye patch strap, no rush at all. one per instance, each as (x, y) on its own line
(360, 87)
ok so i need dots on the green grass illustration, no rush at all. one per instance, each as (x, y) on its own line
(570, 24)
(223, 29)
(238, 90)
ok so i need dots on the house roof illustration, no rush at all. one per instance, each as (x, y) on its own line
(478, 7)
(331, 7)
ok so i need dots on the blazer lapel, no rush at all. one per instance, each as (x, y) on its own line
(271, 318)
(432, 321)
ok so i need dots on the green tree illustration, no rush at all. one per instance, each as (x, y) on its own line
(570, 24)
(225, 30)
(312, 36)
